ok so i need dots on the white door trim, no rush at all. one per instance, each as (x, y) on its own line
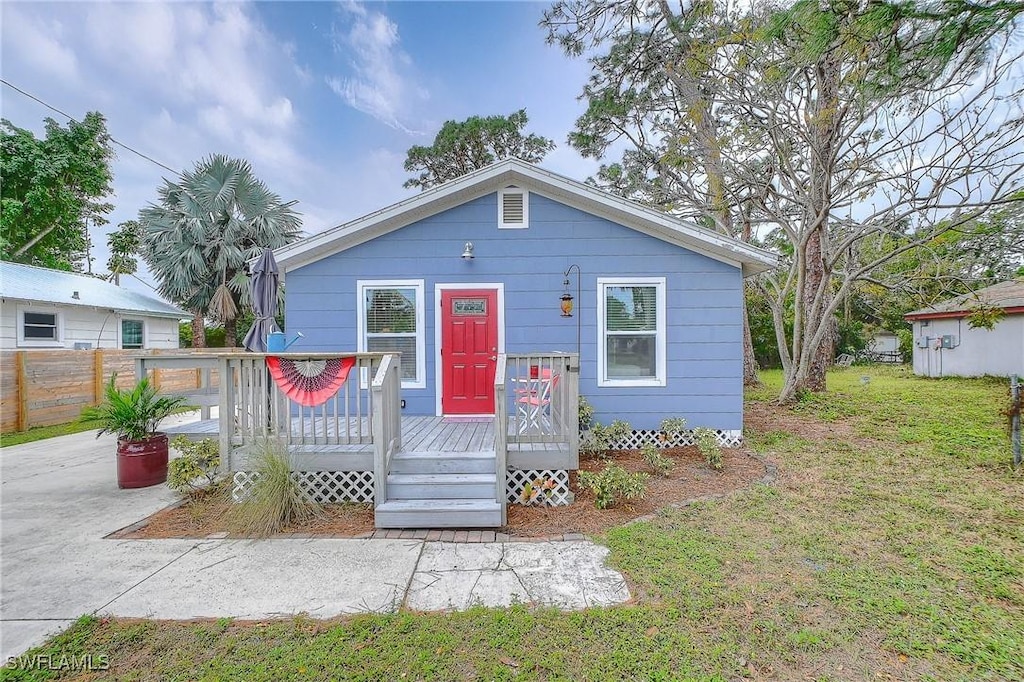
(438, 288)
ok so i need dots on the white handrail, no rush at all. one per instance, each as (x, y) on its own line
(501, 436)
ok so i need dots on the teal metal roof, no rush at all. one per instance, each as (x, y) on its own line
(42, 285)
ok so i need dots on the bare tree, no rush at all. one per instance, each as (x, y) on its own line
(866, 165)
(823, 131)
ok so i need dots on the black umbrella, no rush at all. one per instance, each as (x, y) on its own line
(263, 279)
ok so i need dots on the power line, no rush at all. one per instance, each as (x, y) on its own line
(72, 118)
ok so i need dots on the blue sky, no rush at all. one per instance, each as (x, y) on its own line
(322, 98)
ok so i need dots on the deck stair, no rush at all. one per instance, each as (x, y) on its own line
(440, 490)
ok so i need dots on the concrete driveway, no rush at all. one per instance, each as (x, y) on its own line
(59, 499)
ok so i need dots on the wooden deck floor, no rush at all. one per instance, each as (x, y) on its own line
(419, 433)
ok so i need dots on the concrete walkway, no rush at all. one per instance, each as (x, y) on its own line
(59, 498)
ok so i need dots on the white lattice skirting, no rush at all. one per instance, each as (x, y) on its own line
(559, 495)
(325, 487)
(638, 439)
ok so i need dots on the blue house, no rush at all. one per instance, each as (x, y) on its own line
(481, 266)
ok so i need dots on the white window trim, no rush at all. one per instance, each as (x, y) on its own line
(40, 343)
(502, 225)
(421, 362)
(120, 332)
(660, 333)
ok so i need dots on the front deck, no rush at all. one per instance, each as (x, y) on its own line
(419, 434)
(416, 469)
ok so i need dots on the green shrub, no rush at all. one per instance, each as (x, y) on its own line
(707, 443)
(612, 483)
(659, 463)
(196, 467)
(602, 439)
(133, 414)
(538, 492)
(672, 428)
(586, 414)
(275, 499)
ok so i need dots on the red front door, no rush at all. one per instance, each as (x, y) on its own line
(469, 350)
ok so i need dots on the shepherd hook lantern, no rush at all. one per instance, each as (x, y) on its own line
(567, 300)
(467, 253)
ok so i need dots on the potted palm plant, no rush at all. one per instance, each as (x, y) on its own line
(134, 415)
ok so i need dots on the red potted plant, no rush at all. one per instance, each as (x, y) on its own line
(134, 416)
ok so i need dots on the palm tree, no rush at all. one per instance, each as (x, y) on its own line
(197, 239)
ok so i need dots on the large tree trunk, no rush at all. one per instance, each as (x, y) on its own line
(198, 330)
(700, 112)
(818, 359)
(812, 352)
(230, 327)
(750, 377)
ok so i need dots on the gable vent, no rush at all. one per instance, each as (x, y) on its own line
(512, 208)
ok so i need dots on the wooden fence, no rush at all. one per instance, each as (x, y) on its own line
(45, 387)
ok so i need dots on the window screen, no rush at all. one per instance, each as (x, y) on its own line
(391, 324)
(631, 328)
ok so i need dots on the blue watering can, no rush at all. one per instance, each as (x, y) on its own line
(276, 342)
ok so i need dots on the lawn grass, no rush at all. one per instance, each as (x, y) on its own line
(65, 429)
(43, 432)
(889, 548)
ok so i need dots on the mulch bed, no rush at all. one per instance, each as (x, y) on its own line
(691, 478)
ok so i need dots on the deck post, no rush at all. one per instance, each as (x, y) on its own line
(225, 415)
(380, 430)
(396, 403)
(500, 437)
(140, 368)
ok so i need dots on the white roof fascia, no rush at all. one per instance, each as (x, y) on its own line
(649, 221)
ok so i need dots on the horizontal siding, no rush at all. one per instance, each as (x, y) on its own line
(99, 328)
(162, 333)
(8, 332)
(704, 301)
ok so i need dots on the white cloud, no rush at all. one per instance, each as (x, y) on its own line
(379, 83)
(213, 58)
(39, 41)
(177, 82)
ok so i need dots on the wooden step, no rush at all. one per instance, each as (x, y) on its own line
(474, 513)
(442, 463)
(440, 486)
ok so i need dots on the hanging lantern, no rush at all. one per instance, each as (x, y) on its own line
(566, 301)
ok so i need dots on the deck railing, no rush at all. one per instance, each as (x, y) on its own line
(536, 406)
(542, 398)
(205, 395)
(253, 408)
(387, 426)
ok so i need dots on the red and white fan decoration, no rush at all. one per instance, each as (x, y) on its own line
(309, 382)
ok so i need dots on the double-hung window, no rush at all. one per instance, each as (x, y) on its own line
(390, 318)
(39, 328)
(631, 328)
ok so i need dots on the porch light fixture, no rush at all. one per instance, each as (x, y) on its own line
(467, 253)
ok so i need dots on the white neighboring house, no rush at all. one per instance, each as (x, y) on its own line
(884, 346)
(946, 345)
(42, 308)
